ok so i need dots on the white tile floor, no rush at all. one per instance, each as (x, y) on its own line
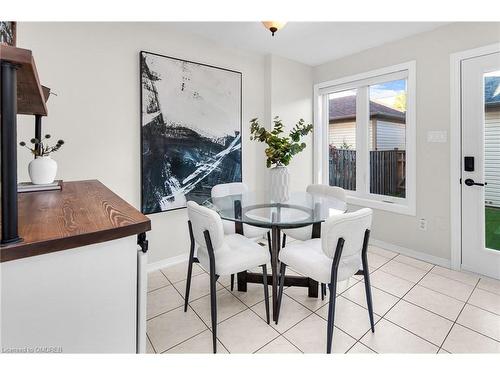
(419, 308)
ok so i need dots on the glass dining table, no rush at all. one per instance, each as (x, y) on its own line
(258, 209)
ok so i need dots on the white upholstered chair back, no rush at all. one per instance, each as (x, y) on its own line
(326, 191)
(202, 219)
(321, 191)
(223, 190)
(232, 188)
(351, 227)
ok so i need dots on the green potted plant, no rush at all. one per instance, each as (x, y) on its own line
(280, 151)
(43, 168)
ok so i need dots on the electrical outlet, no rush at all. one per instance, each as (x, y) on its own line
(422, 224)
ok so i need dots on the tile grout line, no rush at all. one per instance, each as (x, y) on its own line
(482, 308)
(194, 311)
(151, 343)
(458, 316)
(197, 334)
(249, 307)
(300, 350)
(486, 290)
(479, 333)
(357, 282)
(282, 333)
(400, 298)
(456, 299)
(314, 312)
(342, 330)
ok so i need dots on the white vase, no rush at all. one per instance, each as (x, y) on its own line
(42, 170)
(279, 183)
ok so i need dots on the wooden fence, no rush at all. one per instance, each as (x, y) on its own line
(343, 168)
(387, 171)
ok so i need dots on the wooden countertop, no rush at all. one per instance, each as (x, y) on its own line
(82, 213)
(31, 95)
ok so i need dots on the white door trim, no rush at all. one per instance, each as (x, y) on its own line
(456, 147)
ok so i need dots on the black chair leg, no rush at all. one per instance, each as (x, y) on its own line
(213, 288)
(190, 267)
(232, 282)
(280, 292)
(369, 299)
(266, 291)
(366, 276)
(213, 309)
(284, 240)
(323, 291)
(331, 316)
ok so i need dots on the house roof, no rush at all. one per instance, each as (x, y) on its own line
(344, 109)
(492, 91)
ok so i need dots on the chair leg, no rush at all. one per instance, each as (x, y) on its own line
(366, 276)
(213, 309)
(284, 240)
(232, 282)
(266, 291)
(213, 288)
(190, 268)
(369, 299)
(331, 316)
(323, 291)
(280, 292)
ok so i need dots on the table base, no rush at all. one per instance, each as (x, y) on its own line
(256, 278)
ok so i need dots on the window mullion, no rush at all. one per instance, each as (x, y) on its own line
(362, 133)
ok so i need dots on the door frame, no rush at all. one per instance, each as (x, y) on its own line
(456, 147)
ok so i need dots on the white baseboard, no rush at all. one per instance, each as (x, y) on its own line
(167, 262)
(412, 253)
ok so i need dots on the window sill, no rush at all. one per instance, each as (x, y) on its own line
(398, 208)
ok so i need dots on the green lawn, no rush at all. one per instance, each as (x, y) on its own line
(492, 228)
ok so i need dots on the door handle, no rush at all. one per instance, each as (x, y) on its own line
(470, 182)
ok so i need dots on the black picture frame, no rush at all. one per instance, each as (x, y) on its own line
(142, 167)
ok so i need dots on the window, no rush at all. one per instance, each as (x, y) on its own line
(366, 127)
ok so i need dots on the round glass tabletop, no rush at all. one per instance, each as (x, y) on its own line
(258, 209)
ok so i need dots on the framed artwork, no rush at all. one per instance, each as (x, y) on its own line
(190, 130)
(8, 33)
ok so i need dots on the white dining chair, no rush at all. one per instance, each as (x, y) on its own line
(305, 233)
(235, 188)
(340, 253)
(249, 231)
(317, 190)
(220, 255)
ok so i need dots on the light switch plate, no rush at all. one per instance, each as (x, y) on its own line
(437, 136)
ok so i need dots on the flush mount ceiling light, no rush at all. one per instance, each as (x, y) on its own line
(273, 26)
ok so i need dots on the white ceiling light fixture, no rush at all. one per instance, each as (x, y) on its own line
(273, 26)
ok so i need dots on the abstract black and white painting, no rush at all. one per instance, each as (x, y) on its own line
(190, 130)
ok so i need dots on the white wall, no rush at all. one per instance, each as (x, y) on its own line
(432, 52)
(94, 70)
(290, 93)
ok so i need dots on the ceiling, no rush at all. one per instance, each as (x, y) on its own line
(311, 43)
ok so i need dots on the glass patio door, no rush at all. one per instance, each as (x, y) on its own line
(481, 164)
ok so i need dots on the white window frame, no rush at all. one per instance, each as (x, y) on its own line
(362, 195)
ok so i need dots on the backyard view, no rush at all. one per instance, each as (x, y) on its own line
(492, 228)
(492, 159)
(386, 138)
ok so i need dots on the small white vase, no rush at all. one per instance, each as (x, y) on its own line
(279, 183)
(42, 170)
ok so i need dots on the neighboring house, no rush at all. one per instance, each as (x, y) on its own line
(387, 125)
(492, 140)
